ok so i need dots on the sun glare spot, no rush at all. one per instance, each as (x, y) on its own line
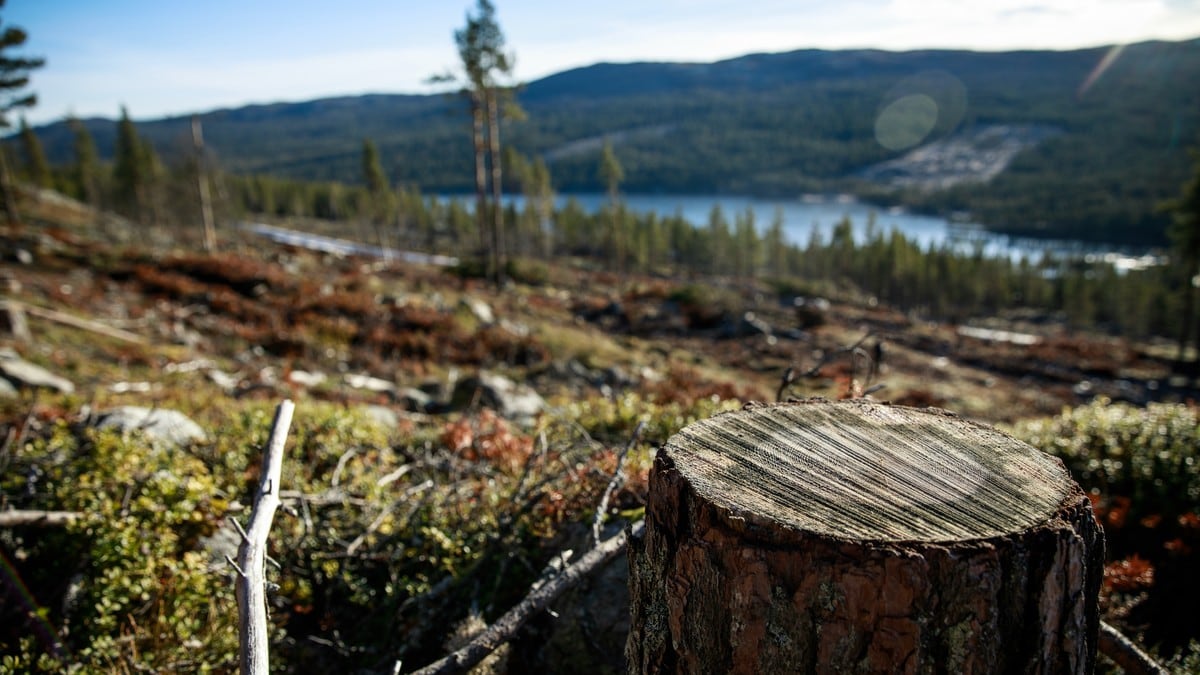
(906, 121)
(1110, 57)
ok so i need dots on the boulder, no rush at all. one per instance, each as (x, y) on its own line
(384, 416)
(811, 312)
(511, 400)
(748, 325)
(169, 427)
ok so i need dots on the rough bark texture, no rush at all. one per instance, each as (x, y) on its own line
(851, 537)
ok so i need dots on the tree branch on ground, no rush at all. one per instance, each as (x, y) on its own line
(252, 554)
(507, 626)
(1126, 654)
(37, 518)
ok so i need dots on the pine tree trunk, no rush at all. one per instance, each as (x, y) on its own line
(206, 212)
(8, 192)
(498, 253)
(850, 537)
(481, 210)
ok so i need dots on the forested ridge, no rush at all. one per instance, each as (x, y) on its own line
(771, 124)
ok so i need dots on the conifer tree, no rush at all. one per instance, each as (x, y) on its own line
(381, 200)
(1184, 232)
(720, 241)
(775, 243)
(485, 63)
(612, 173)
(383, 203)
(14, 77)
(85, 174)
(745, 245)
(130, 173)
(36, 166)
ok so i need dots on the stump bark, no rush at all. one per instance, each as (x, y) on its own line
(852, 537)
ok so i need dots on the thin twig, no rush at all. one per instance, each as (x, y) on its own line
(789, 376)
(394, 476)
(1126, 654)
(378, 522)
(618, 478)
(341, 464)
(507, 626)
(828, 358)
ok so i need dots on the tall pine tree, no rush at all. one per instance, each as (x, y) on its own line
(381, 200)
(131, 171)
(611, 173)
(14, 78)
(485, 63)
(1184, 232)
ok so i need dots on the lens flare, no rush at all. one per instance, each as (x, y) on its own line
(906, 121)
(928, 103)
(16, 586)
(1105, 63)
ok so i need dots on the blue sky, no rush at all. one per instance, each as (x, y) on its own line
(162, 57)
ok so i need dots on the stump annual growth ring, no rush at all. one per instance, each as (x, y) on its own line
(856, 537)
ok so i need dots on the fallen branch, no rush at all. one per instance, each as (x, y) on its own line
(84, 324)
(37, 518)
(1126, 654)
(252, 554)
(507, 626)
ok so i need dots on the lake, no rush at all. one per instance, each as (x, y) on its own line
(802, 215)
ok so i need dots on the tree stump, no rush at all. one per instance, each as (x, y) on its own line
(852, 537)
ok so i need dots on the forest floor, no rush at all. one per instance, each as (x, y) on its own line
(259, 305)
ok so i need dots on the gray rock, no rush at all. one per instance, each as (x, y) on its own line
(384, 416)
(509, 399)
(164, 426)
(748, 325)
(478, 309)
(811, 312)
(375, 384)
(224, 380)
(306, 379)
(224, 541)
(23, 374)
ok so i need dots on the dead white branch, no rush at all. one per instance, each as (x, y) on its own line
(618, 478)
(252, 555)
(83, 324)
(37, 518)
(507, 626)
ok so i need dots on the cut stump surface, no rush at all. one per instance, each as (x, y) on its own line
(856, 537)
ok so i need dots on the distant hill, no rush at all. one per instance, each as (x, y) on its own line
(779, 124)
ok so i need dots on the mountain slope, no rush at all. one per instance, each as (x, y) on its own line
(778, 124)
